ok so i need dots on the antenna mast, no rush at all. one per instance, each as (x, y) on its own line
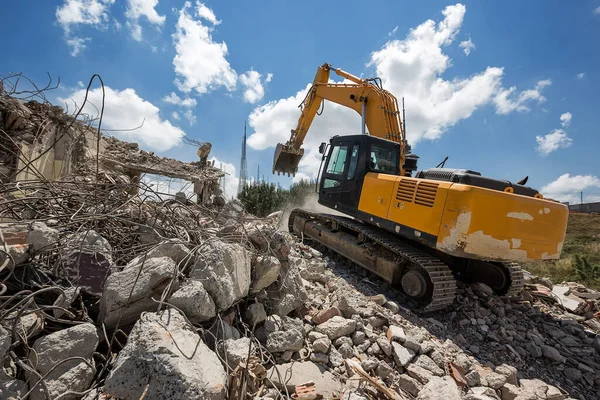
(243, 166)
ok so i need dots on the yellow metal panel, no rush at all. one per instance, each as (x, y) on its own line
(413, 212)
(376, 193)
(490, 224)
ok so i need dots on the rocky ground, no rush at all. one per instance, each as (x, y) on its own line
(243, 310)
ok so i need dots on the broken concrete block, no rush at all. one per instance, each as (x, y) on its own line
(79, 340)
(265, 271)
(164, 350)
(255, 314)
(437, 386)
(194, 301)
(48, 351)
(41, 237)
(174, 249)
(77, 378)
(224, 269)
(86, 260)
(402, 355)
(281, 341)
(235, 351)
(126, 293)
(336, 327)
(299, 373)
(288, 293)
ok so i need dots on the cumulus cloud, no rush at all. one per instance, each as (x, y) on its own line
(565, 119)
(507, 100)
(137, 9)
(186, 105)
(75, 13)
(467, 46)
(557, 139)
(125, 109)
(569, 188)
(77, 45)
(581, 75)
(255, 90)
(413, 68)
(173, 98)
(83, 12)
(200, 62)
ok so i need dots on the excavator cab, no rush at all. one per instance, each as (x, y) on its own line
(345, 163)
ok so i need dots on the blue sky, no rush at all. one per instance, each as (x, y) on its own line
(506, 88)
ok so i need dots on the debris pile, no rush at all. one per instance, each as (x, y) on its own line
(108, 292)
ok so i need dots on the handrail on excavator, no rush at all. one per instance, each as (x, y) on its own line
(378, 108)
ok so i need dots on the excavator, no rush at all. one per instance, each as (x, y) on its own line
(420, 231)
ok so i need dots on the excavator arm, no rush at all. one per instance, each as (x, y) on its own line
(377, 107)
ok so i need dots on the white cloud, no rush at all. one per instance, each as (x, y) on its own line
(189, 115)
(569, 188)
(200, 62)
(207, 13)
(467, 46)
(73, 13)
(255, 90)
(597, 10)
(173, 98)
(82, 12)
(124, 109)
(187, 104)
(393, 31)
(77, 44)
(565, 119)
(175, 115)
(230, 181)
(557, 139)
(137, 9)
(507, 100)
(581, 75)
(413, 68)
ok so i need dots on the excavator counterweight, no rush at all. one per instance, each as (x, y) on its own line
(420, 233)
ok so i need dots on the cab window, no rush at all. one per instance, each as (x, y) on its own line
(384, 160)
(353, 162)
(337, 161)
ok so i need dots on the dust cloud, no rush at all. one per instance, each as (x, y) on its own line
(311, 203)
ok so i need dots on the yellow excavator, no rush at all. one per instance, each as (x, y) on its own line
(420, 233)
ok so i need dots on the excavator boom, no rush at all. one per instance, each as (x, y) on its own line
(377, 107)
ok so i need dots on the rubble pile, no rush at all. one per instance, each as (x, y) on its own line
(108, 292)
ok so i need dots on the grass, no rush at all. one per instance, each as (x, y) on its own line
(580, 259)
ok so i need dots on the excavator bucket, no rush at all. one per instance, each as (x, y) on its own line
(286, 159)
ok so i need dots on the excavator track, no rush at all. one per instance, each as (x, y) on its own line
(442, 280)
(517, 280)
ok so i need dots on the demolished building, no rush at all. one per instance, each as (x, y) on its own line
(41, 142)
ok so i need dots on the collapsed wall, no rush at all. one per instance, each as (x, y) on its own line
(42, 142)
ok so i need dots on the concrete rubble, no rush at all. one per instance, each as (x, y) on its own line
(105, 295)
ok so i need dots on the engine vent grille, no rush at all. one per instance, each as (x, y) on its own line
(426, 193)
(406, 189)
